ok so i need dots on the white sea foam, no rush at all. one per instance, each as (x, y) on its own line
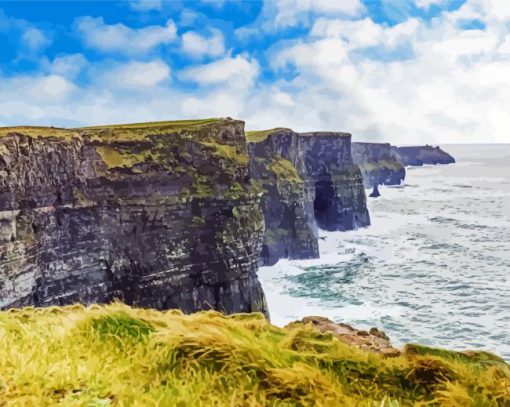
(433, 267)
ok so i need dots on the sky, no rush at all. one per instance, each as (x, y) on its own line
(403, 71)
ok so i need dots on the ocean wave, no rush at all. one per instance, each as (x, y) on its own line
(432, 268)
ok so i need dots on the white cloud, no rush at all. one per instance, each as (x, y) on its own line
(504, 48)
(145, 5)
(198, 45)
(68, 65)
(364, 32)
(452, 87)
(52, 87)
(122, 39)
(214, 3)
(239, 72)
(498, 8)
(425, 4)
(286, 13)
(323, 52)
(35, 39)
(138, 74)
(279, 15)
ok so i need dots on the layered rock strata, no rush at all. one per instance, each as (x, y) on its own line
(377, 164)
(420, 155)
(309, 182)
(160, 215)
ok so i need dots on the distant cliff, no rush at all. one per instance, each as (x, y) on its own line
(377, 164)
(159, 215)
(309, 181)
(419, 155)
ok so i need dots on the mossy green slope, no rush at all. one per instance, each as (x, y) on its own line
(256, 136)
(116, 355)
(202, 150)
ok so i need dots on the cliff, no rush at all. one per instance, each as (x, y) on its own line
(117, 355)
(377, 164)
(309, 182)
(419, 155)
(160, 215)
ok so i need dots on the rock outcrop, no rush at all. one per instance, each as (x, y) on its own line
(160, 215)
(374, 341)
(420, 155)
(375, 192)
(309, 182)
(377, 164)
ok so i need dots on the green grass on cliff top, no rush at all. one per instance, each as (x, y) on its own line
(163, 124)
(135, 129)
(118, 356)
(260, 135)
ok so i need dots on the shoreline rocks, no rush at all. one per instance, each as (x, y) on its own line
(374, 340)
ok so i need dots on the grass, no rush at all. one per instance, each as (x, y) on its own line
(162, 124)
(284, 169)
(118, 356)
(261, 135)
(40, 131)
(228, 152)
(114, 132)
(381, 165)
(117, 158)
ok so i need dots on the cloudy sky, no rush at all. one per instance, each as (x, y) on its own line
(405, 71)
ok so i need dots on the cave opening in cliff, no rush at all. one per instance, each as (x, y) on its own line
(324, 205)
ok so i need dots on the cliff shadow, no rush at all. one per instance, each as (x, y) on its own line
(329, 211)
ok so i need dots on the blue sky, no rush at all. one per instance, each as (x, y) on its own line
(397, 70)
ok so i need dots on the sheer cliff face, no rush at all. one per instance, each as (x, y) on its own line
(159, 215)
(286, 202)
(419, 155)
(377, 164)
(309, 182)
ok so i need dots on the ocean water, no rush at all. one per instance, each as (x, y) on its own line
(434, 267)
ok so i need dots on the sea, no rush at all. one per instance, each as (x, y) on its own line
(433, 268)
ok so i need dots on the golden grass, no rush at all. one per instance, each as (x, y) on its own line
(114, 132)
(119, 356)
(260, 135)
(117, 158)
(40, 131)
(228, 152)
(285, 170)
(163, 124)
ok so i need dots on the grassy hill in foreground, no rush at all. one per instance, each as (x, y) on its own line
(117, 355)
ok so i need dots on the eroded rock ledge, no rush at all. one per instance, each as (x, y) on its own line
(309, 181)
(378, 164)
(374, 341)
(160, 215)
(420, 155)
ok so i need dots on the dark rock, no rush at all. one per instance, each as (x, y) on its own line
(377, 164)
(309, 182)
(158, 215)
(420, 155)
(380, 334)
(375, 192)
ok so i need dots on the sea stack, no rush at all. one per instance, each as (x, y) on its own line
(375, 192)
